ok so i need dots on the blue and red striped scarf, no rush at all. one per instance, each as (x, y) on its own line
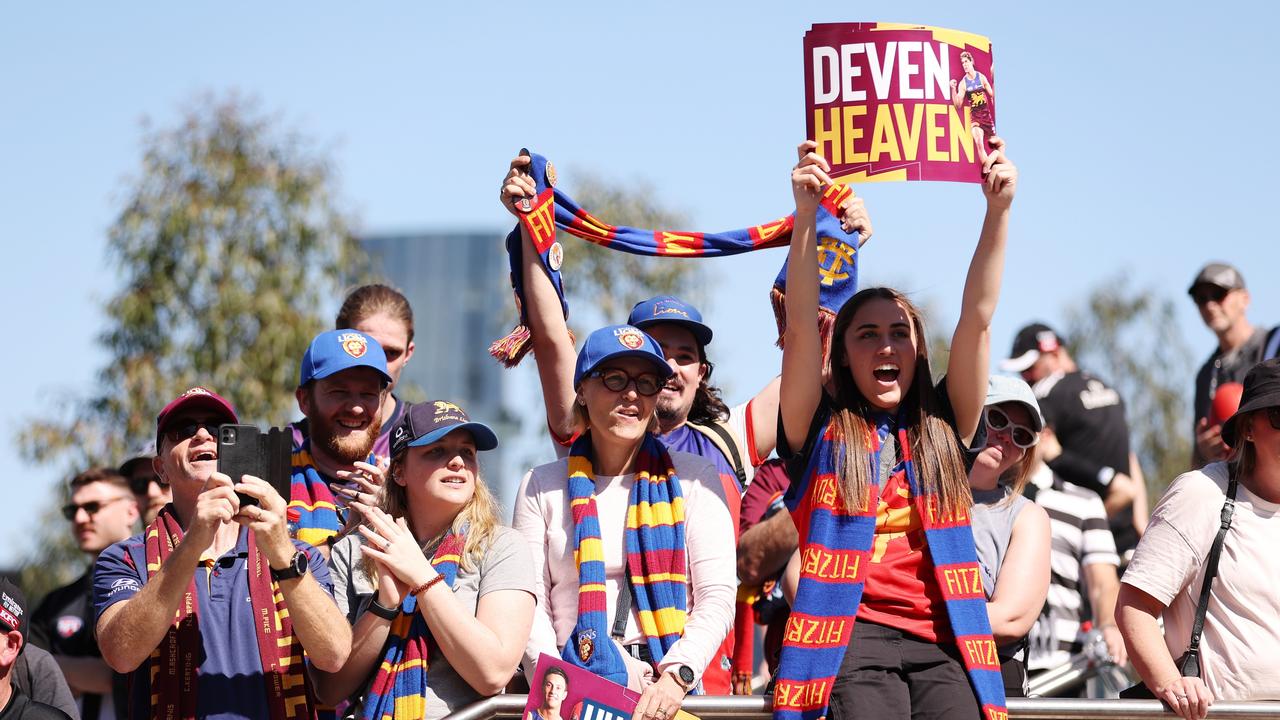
(835, 552)
(399, 687)
(553, 208)
(309, 494)
(655, 564)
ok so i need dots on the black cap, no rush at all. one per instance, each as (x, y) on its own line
(13, 607)
(425, 423)
(1261, 390)
(1030, 341)
(1219, 275)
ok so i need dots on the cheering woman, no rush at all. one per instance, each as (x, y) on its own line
(880, 495)
(441, 595)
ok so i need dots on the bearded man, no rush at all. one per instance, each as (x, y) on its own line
(341, 385)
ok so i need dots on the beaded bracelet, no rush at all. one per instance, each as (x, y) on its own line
(426, 585)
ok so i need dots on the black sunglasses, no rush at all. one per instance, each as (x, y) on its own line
(180, 432)
(1022, 436)
(647, 384)
(1273, 417)
(1209, 293)
(91, 508)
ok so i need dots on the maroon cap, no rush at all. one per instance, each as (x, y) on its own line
(197, 398)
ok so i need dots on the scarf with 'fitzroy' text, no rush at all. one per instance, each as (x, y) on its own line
(835, 551)
(175, 663)
(655, 561)
(553, 208)
(399, 687)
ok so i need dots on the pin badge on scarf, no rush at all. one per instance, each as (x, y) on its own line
(586, 644)
(555, 256)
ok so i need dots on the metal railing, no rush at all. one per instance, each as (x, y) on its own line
(757, 707)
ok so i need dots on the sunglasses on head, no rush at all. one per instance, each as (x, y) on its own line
(91, 508)
(1022, 436)
(1205, 294)
(647, 384)
(181, 431)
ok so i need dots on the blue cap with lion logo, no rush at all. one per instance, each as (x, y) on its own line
(425, 423)
(337, 350)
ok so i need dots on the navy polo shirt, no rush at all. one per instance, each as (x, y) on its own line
(230, 681)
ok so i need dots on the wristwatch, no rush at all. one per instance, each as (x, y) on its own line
(683, 675)
(296, 568)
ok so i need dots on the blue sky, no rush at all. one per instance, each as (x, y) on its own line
(1140, 132)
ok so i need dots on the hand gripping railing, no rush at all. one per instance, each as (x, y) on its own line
(757, 707)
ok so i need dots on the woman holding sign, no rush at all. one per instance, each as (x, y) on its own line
(890, 611)
(441, 595)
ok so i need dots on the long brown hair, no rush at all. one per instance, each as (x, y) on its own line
(366, 301)
(938, 459)
(479, 516)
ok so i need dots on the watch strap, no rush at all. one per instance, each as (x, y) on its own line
(296, 569)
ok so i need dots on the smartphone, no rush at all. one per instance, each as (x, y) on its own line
(246, 450)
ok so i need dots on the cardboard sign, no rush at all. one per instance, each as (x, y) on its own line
(890, 101)
(565, 691)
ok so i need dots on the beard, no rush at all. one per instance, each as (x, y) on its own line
(348, 448)
(672, 410)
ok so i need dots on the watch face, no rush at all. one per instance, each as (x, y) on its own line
(686, 674)
(300, 563)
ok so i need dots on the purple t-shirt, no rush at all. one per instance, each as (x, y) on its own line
(230, 679)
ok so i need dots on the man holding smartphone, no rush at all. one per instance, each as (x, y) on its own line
(248, 600)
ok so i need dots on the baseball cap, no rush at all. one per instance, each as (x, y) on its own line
(142, 453)
(196, 398)
(616, 341)
(1003, 389)
(1220, 274)
(1261, 390)
(670, 309)
(13, 607)
(336, 350)
(425, 423)
(1030, 341)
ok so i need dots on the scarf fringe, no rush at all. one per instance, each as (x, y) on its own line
(826, 324)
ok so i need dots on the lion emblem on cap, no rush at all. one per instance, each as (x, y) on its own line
(354, 344)
(443, 407)
(631, 339)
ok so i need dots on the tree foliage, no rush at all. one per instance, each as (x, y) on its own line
(611, 282)
(228, 246)
(1131, 339)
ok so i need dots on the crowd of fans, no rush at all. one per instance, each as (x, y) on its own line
(919, 544)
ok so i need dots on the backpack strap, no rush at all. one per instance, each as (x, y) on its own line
(1273, 344)
(724, 439)
(1211, 566)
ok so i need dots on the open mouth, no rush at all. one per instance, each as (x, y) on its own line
(630, 412)
(454, 481)
(352, 424)
(887, 372)
(205, 456)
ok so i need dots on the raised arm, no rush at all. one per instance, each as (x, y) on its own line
(801, 387)
(971, 344)
(552, 345)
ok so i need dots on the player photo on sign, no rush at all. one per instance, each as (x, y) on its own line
(888, 101)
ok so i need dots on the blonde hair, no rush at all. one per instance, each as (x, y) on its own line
(479, 518)
(938, 460)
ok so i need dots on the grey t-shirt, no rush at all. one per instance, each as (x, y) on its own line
(507, 565)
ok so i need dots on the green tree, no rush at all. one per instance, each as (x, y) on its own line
(611, 282)
(228, 246)
(1130, 337)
